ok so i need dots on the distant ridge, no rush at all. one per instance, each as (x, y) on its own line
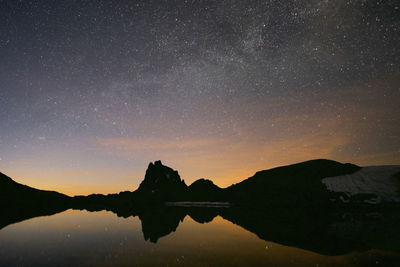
(298, 185)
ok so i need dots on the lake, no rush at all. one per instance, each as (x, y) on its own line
(83, 238)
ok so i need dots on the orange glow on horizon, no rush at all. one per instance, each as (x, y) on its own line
(114, 164)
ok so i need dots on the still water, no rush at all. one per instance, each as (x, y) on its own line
(82, 238)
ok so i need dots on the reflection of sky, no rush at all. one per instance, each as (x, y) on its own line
(92, 92)
(82, 238)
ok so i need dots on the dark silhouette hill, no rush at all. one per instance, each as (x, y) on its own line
(202, 185)
(297, 185)
(21, 202)
(205, 190)
(13, 193)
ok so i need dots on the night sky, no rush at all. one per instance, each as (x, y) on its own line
(92, 91)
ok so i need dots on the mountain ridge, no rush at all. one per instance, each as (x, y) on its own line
(298, 184)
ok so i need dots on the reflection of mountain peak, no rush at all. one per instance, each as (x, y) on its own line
(203, 215)
(159, 222)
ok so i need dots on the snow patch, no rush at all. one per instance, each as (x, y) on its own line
(376, 180)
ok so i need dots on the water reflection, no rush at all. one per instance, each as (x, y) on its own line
(335, 233)
(160, 222)
(330, 234)
(101, 238)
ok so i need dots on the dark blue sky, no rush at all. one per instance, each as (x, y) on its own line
(91, 91)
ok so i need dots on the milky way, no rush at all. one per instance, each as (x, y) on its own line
(92, 91)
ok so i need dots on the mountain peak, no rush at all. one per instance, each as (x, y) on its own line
(159, 176)
(156, 163)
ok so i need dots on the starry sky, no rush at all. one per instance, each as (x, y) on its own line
(92, 91)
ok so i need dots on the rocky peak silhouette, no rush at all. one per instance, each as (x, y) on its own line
(160, 177)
